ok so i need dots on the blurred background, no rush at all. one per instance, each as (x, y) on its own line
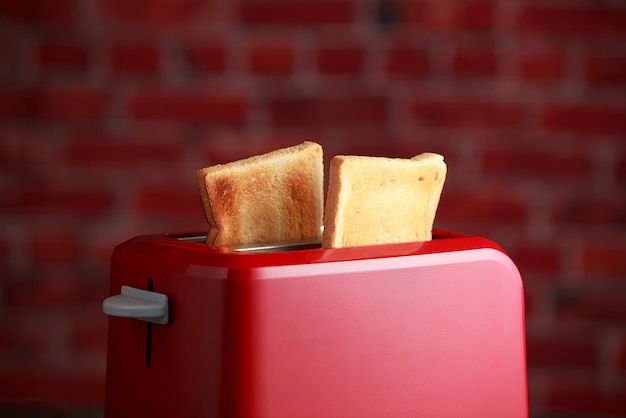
(108, 107)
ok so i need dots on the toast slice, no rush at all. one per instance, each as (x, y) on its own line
(273, 197)
(379, 200)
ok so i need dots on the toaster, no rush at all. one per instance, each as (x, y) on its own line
(432, 329)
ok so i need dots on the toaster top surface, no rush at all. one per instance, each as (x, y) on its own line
(191, 249)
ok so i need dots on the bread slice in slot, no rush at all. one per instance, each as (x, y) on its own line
(379, 200)
(273, 197)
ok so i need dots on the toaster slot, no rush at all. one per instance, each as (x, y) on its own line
(256, 248)
(189, 238)
(277, 247)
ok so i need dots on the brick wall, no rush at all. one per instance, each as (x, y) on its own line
(107, 108)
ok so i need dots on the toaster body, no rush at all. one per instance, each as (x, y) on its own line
(432, 329)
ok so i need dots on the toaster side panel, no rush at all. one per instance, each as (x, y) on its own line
(176, 369)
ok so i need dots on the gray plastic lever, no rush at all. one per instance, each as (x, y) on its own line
(138, 304)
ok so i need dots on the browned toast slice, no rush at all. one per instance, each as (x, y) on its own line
(273, 197)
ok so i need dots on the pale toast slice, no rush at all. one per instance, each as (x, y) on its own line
(379, 200)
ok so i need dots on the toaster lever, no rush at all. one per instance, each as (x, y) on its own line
(138, 304)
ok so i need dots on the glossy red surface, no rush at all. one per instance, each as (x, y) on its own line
(426, 329)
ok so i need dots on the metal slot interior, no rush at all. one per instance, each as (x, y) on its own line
(191, 238)
(277, 247)
(271, 247)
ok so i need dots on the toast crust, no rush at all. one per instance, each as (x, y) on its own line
(273, 197)
(379, 200)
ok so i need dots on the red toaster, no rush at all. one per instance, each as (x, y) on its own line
(432, 329)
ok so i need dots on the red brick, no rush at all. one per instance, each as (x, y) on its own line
(326, 111)
(89, 333)
(120, 152)
(59, 200)
(225, 150)
(47, 246)
(585, 118)
(22, 149)
(621, 355)
(56, 290)
(478, 62)
(61, 286)
(449, 14)
(542, 66)
(305, 12)
(99, 249)
(53, 103)
(83, 388)
(62, 56)
(48, 384)
(92, 289)
(152, 12)
(22, 339)
(206, 58)
(585, 397)
(169, 202)
(543, 258)
(134, 59)
(5, 249)
(531, 162)
(18, 103)
(559, 352)
(73, 103)
(590, 20)
(274, 58)
(605, 69)
(465, 112)
(605, 259)
(26, 385)
(377, 141)
(189, 106)
(587, 209)
(492, 206)
(36, 11)
(407, 61)
(604, 304)
(10, 48)
(621, 168)
(340, 60)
